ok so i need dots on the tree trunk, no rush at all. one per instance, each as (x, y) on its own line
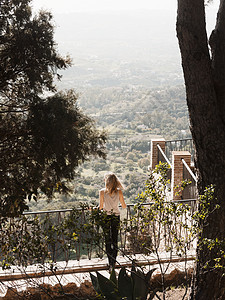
(205, 89)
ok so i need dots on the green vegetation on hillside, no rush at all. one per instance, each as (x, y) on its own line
(136, 109)
(131, 116)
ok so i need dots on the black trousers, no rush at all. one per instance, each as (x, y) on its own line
(111, 228)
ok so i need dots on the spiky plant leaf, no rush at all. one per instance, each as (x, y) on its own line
(95, 283)
(125, 285)
(108, 288)
(113, 277)
(139, 285)
(149, 275)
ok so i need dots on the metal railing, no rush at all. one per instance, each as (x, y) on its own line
(133, 232)
(179, 145)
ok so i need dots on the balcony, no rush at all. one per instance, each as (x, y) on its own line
(178, 154)
(143, 237)
(72, 240)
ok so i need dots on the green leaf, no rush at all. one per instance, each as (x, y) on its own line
(95, 283)
(140, 287)
(108, 288)
(113, 277)
(149, 275)
(125, 285)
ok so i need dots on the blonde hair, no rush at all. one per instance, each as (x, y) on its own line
(112, 183)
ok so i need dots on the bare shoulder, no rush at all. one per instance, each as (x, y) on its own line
(120, 192)
(101, 192)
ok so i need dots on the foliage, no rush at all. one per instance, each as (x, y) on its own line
(155, 226)
(44, 136)
(29, 59)
(211, 245)
(26, 240)
(160, 226)
(22, 242)
(130, 287)
(161, 111)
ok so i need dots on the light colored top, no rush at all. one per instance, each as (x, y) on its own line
(110, 202)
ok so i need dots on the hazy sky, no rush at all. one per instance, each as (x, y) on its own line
(67, 6)
(58, 6)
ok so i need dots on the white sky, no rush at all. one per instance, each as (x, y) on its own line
(66, 6)
(57, 6)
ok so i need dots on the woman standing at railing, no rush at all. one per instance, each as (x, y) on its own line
(109, 199)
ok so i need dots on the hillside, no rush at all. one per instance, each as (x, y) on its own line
(128, 76)
(134, 109)
(131, 116)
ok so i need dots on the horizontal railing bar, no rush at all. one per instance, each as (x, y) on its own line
(184, 200)
(126, 244)
(84, 269)
(47, 211)
(181, 140)
(128, 205)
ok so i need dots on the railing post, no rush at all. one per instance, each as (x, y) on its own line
(155, 155)
(178, 171)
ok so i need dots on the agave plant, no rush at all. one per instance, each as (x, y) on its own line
(131, 287)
